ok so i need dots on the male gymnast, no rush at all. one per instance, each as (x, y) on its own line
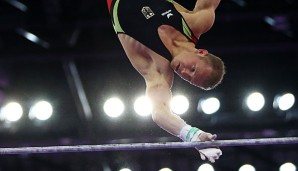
(160, 37)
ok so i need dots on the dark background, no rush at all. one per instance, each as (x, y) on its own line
(258, 57)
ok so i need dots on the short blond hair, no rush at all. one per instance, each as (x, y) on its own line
(217, 72)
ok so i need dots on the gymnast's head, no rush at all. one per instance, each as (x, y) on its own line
(199, 68)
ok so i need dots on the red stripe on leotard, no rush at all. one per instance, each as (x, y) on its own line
(109, 4)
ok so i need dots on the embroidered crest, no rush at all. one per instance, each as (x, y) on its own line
(147, 12)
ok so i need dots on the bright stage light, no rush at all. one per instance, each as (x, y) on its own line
(288, 167)
(125, 169)
(179, 104)
(42, 110)
(206, 167)
(143, 106)
(255, 101)
(18, 5)
(284, 102)
(11, 112)
(113, 107)
(247, 167)
(209, 105)
(165, 169)
(33, 38)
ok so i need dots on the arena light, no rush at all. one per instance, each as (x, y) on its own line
(17, 5)
(209, 105)
(11, 112)
(165, 169)
(206, 167)
(284, 102)
(125, 169)
(241, 3)
(278, 22)
(255, 101)
(143, 106)
(113, 107)
(247, 167)
(179, 104)
(42, 111)
(270, 21)
(33, 38)
(287, 167)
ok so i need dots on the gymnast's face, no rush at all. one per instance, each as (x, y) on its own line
(192, 66)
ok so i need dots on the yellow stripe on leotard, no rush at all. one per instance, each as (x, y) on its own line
(116, 23)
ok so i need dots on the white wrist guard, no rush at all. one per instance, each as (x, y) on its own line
(188, 133)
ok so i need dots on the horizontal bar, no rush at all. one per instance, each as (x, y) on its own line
(149, 146)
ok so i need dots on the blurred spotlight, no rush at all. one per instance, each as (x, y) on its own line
(209, 105)
(165, 169)
(280, 23)
(284, 102)
(33, 38)
(17, 5)
(42, 111)
(125, 169)
(287, 167)
(179, 104)
(270, 21)
(143, 106)
(255, 101)
(241, 3)
(113, 107)
(206, 167)
(247, 167)
(11, 112)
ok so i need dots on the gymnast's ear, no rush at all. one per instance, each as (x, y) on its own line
(202, 51)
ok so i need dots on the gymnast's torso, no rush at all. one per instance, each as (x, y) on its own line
(141, 20)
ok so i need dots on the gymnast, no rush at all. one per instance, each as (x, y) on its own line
(160, 37)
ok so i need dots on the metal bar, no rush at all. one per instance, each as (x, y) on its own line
(149, 146)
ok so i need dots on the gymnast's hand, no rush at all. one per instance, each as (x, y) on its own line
(211, 154)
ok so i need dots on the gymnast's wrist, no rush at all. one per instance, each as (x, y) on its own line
(188, 133)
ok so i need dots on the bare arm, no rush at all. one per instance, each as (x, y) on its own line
(158, 90)
(202, 18)
(206, 4)
(160, 94)
(180, 8)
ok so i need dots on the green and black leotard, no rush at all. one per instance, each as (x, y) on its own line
(140, 19)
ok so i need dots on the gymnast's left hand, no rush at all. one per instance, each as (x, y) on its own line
(211, 154)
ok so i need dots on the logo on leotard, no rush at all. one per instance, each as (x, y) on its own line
(147, 12)
(168, 14)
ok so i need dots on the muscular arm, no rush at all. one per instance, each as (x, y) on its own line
(158, 90)
(180, 8)
(206, 4)
(200, 4)
(202, 18)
